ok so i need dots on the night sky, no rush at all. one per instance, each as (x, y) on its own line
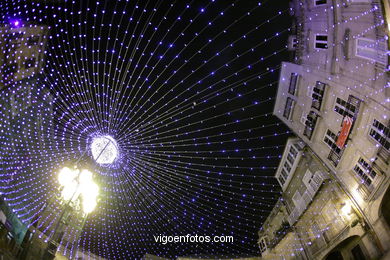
(187, 90)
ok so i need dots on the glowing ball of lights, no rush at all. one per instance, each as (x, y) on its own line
(104, 149)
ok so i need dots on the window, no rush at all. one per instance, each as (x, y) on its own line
(293, 83)
(332, 219)
(33, 40)
(314, 232)
(294, 151)
(317, 94)
(344, 108)
(365, 172)
(29, 63)
(292, 42)
(292, 154)
(310, 119)
(307, 180)
(321, 41)
(330, 140)
(288, 108)
(284, 174)
(263, 244)
(371, 50)
(283, 177)
(312, 181)
(281, 180)
(381, 134)
(287, 166)
(290, 159)
(298, 201)
(310, 124)
(319, 2)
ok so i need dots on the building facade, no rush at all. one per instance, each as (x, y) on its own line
(23, 52)
(334, 95)
(25, 128)
(314, 215)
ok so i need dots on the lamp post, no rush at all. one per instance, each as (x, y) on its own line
(78, 197)
(76, 184)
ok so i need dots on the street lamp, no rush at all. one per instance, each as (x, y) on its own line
(346, 209)
(77, 184)
(75, 199)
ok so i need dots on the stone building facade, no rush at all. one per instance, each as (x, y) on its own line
(22, 51)
(26, 108)
(316, 217)
(334, 95)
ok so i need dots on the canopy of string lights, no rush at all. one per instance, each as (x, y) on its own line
(169, 101)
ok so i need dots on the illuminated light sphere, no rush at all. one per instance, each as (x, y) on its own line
(104, 149)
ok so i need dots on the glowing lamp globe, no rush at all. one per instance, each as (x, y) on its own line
(66, 176)
(85, 177)
(90, 193)
(104, 149)
(75, 183)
